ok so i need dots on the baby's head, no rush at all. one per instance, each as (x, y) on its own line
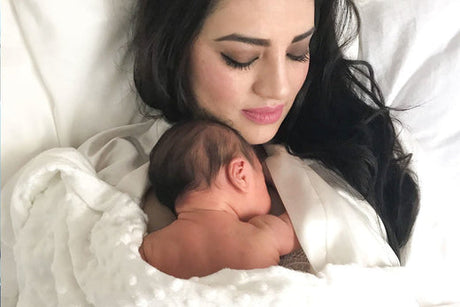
(190, 155)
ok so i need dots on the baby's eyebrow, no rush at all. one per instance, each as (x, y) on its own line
(259, 41)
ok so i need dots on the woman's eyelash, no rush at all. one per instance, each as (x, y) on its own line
(300, 58)
(235, 64)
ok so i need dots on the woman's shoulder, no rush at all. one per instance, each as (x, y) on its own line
(138, 138)
(118, 154)
(334, 224)
(281, 160)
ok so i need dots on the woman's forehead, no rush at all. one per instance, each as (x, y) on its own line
(265, 19)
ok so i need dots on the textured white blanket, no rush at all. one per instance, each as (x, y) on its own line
(75, 240)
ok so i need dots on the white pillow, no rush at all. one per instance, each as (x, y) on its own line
(64, 75)
(414, 47)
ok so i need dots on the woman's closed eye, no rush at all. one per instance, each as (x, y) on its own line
(236, 64)
(300, 58)
(246, 65)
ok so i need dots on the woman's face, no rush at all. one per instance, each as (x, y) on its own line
(249, 62)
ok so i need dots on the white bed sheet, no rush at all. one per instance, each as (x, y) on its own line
(64, 75)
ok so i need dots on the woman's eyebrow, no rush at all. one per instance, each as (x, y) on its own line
(303, 35)
(259, 41)
(244, 39)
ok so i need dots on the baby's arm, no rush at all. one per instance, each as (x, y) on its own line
(280, 228)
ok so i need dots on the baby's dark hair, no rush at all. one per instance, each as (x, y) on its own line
(189, 156)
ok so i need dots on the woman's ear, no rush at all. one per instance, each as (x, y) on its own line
(238, 174)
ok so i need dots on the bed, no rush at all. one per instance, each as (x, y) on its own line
(73, 160)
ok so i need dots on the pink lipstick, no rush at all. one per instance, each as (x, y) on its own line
(264, 115)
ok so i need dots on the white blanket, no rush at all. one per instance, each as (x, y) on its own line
(75, 240)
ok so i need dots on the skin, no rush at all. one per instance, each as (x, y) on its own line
(277, 68)
(224, 226)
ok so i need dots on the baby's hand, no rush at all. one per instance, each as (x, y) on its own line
(287, 220)
(142, 252)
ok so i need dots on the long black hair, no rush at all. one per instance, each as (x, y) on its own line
(338, 117)
(341, 120)
(164, 31)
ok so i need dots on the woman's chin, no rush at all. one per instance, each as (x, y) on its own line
(259, 136)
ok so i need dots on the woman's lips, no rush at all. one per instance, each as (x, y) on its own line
(265, 115)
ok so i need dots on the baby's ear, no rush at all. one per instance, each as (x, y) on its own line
(239, 173)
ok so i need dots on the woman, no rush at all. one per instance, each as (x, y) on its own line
(275, 71)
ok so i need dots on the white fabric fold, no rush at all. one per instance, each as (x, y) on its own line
(332, 226)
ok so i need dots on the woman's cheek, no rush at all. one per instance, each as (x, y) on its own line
(302, 76)
(217, 85)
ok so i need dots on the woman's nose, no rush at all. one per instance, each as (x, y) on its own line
(272, 81)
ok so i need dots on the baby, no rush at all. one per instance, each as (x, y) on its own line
(212, 179)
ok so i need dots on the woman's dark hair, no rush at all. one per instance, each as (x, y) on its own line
(190, 155)
(338, 117)
(164, 31)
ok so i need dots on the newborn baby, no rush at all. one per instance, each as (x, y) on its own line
(213, 180)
